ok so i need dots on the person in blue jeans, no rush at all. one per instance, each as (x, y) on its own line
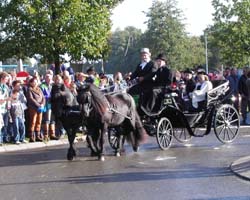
(4, 98)
(18, 106)
(1, 126)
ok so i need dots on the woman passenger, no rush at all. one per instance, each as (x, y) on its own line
(199, 94)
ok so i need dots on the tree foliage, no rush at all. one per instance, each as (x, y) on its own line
(125, 45)
(165, 34)
(231, 30)
(53, 28)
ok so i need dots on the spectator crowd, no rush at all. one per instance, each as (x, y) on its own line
(26, 106)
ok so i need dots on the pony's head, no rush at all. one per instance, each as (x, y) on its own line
(91, 99)
(84, 99)
(61, 98)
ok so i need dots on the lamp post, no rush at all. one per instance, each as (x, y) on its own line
(205, 36)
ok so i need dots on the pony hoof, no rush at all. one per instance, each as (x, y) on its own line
(93, 154)
(70, 157)
(101, 158)
(136, 149)
(71, 154)
(118, 154)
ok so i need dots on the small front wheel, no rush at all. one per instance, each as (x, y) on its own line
(164, 134)
(182, 135)
(226, 123)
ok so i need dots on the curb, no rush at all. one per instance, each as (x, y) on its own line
(241, 167)
(34, 145)
(18, 147)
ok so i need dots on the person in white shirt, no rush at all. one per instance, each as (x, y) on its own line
(199, 94)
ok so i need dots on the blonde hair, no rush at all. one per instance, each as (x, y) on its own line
(58, 79)
(206, 78)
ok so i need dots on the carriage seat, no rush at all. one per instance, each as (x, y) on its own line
(151, 114)
(220, 90)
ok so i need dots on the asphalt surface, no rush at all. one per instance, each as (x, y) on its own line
(240, 167)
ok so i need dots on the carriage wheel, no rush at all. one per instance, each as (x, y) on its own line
(226, 123)
(164, 134)
(182, 135)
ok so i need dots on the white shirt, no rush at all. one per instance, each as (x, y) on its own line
(200, 95)
(144, 63)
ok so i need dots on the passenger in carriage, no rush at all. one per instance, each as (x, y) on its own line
(189, 82)
(162, 78)
(203, 85)
(189, 86)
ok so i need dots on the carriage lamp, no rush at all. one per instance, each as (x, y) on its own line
(233, 98)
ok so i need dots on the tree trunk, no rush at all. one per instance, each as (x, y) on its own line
(57, 65)
(20, 65)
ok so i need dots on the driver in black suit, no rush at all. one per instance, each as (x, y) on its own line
(143, 74)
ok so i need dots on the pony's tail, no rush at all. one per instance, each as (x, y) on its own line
(140, 132)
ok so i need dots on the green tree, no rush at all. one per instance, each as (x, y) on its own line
(232, 22)
(166, 32)
(53, 28)
(125, 45)
(193, 53)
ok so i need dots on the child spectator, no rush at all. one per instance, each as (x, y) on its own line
(18, 105)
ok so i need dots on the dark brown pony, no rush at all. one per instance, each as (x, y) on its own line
(66, 110)
(101, 112)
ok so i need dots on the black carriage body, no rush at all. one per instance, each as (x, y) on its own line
(217, 98)
(179, 118)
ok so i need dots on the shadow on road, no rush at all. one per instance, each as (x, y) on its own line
(193, 173)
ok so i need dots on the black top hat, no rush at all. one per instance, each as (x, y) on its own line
(161, 56)
(188, 71)
(201, 72)
(90, 69)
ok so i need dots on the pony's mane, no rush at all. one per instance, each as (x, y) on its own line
(100, 102)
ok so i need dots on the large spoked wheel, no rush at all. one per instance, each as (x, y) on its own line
(226, 123)
(113, 138)
(182, 135)
(164, 134)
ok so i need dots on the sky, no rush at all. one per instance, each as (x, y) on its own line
(198, 14)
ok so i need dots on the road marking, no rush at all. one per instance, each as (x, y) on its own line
(245, 135)
(165, 158)
(188, 145)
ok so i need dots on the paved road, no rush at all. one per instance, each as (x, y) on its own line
(197, 171)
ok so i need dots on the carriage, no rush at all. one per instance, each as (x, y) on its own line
(171, 121)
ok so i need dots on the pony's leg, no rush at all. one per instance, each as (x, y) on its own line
(121, 140)
(92, 144)
(71, 137)
(100, 143)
